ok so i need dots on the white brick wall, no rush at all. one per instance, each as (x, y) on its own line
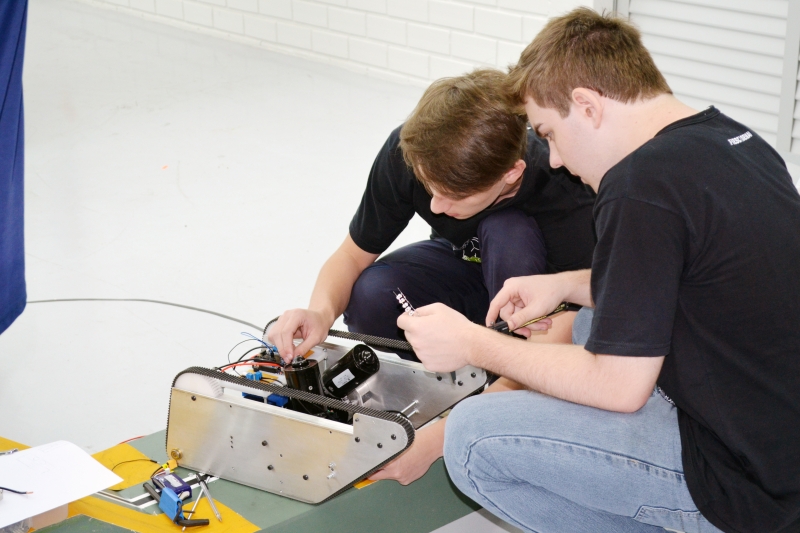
(415, 41)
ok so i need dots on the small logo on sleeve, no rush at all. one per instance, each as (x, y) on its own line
(740, 139)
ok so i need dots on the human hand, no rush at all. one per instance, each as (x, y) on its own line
(417, 459)
(523, 299)
(298, 324)
(439, 335)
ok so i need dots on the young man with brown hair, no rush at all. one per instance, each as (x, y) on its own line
(681, 410)
(467, 164)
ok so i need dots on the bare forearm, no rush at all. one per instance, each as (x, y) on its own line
(334, 284)
(336, 279)
(569, 372)
(577, 287)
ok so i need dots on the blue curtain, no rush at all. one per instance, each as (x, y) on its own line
(13, 15)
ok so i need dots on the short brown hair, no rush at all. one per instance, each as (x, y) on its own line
(464, 134)
(585, 49)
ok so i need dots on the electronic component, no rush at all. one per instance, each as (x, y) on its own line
(174, 483)
(303, 374)
(357, 366)
(172, 505)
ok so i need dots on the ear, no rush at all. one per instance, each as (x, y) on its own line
(588, 104)
(515, 172)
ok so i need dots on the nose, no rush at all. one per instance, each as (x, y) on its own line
(439, 204)
(555, 158)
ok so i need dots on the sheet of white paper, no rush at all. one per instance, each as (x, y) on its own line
(56, 473)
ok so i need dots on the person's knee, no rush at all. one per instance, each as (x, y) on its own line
(501, 220)
(510, 225)
(372, 308)
(512, 245)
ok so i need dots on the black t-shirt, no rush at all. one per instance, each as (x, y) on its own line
(560, 203)
(698, 260)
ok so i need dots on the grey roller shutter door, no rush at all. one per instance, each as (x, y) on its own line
(727, 53)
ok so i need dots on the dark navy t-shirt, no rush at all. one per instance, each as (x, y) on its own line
(698, 260)
(13, 14)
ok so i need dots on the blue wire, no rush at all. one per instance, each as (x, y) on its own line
(268, 345)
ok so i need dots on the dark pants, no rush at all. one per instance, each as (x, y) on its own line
(430, 271)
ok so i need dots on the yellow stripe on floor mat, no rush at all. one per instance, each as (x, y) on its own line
(8, 444)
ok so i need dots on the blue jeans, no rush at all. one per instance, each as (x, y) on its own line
(547, 465)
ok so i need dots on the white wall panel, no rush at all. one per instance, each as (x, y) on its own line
(406, 40)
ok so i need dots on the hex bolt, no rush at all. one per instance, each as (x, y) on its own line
(264, 443)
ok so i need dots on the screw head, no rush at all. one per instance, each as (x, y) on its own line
(270, 467)
(358, 439)
(473, 374)
(460, 383)
(305, 476)
(264, 443)
(194, 398)
(438, 378)
(394, 437)
(175, 453)
(380, 445)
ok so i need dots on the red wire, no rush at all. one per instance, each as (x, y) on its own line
(248, 363)
(134, 438)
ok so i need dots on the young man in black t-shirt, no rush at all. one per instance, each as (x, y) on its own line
(466, 163)
(682, 410)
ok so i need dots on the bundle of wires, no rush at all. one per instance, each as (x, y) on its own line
(263, 360)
